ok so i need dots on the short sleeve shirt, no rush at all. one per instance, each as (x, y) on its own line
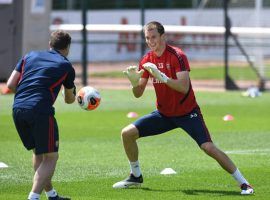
(42, 75)
(170, 102)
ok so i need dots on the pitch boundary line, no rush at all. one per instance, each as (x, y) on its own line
(249, 151)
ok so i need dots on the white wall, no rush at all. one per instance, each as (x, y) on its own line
(115, 52)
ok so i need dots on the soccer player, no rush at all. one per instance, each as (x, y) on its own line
(168, 68)
(36, 81)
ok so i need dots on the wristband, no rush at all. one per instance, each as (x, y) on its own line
(74, 90)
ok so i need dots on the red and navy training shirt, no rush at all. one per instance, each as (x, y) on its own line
(169, 101)
(42, 75)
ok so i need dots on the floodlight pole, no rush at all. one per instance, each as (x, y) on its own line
(84, 42)
(142, 23)
(226, 38)
(229, 83)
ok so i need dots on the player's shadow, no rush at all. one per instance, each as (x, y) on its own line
(216, 192)
(195, 192)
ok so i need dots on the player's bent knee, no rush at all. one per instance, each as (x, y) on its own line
(129, 132)
(208, 147)
(126, 134)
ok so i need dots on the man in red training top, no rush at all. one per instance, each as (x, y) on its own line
(168, 68)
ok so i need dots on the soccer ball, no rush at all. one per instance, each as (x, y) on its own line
(88, 98)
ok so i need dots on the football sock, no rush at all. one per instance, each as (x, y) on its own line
(33, 196)
(135, 168)
(51, 193)
(239, 177)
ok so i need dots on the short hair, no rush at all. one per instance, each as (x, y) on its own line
(154, 25)
(60, 40)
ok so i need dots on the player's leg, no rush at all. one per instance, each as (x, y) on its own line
(224, 161)
(45, 132)
(129, 136)
(195, 126)
(38, 162)
(37, 159)
(44, 172)
(148, 125)
(43, 176)
(227, 164)
(23, 120)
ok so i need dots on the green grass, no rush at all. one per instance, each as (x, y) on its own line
(199, 73)
(92, 157)
(217, 73)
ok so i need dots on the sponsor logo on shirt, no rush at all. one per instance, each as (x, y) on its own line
(160, 66)
(155, 81)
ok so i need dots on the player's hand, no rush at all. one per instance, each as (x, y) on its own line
(152, 69)
(133, 75)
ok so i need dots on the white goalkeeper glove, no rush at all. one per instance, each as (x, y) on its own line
(133, 75)
(152, 69)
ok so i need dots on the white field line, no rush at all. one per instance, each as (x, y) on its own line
(249, 151)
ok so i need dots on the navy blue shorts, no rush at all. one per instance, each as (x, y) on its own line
(37, 131)
(155, 123)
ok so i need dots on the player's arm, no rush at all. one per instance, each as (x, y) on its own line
(69, 95)
(138, 90)
(13, 80)
(181, 84)
(138, 83)
(69, 87)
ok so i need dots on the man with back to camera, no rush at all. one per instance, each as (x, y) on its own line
(36, 81)
(168, 68)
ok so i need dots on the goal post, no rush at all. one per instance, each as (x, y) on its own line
(229, 82)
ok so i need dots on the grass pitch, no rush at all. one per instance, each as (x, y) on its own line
(201, 73)
(92, 157)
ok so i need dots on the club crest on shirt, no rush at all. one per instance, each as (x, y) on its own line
(168, 66)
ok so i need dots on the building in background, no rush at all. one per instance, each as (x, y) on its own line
(124, 46)
(24, 27)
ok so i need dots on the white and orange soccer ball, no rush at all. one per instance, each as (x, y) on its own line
(88, 98)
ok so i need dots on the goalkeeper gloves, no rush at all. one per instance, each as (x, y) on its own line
(152, 69)
(133, 75)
